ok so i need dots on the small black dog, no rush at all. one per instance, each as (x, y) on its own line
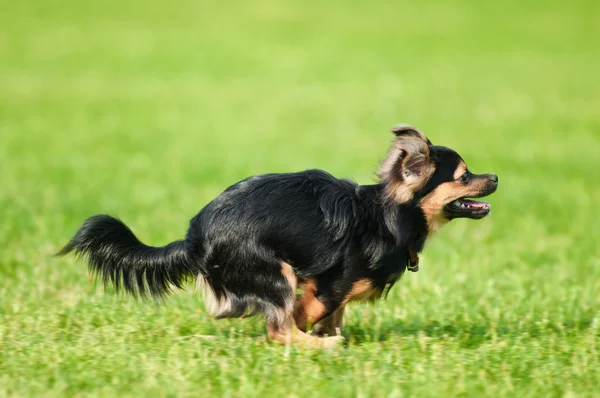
(253, 246)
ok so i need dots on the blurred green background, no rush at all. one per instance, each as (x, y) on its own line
(148, 110)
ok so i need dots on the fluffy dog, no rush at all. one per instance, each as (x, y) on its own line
(298, 247)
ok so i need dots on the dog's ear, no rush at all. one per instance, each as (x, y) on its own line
(408, 165)
(415, 146)
(408, 130)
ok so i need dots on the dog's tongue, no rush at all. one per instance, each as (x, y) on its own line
(474, 203)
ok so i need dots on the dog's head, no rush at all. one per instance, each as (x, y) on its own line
(435, 177)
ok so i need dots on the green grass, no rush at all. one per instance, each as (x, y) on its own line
(148, 110)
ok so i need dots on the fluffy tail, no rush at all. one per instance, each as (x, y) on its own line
(116, 255)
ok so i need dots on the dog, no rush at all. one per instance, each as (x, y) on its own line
(298, 247)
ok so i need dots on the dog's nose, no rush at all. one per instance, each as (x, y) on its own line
(494, 178)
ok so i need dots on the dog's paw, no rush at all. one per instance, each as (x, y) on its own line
(331, 341)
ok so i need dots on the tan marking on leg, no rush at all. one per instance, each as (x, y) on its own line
(309, 309)
(288, 333)
(362, 290)
(288, 273)
(314, 309)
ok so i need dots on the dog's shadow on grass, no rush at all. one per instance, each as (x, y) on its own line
(470, 335)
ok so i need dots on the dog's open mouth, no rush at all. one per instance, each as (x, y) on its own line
(468, 208)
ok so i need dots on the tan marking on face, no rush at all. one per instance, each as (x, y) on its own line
(433, 203)
(460, 170)
(288, 273)
(309, 309)
(362, 290)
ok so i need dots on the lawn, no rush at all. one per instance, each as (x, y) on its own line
(148, 110)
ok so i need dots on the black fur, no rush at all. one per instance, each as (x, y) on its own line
(320, 225)
(116, 255)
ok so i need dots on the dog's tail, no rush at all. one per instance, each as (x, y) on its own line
(115, 255)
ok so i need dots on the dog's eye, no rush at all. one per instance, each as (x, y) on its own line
(465, 178)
